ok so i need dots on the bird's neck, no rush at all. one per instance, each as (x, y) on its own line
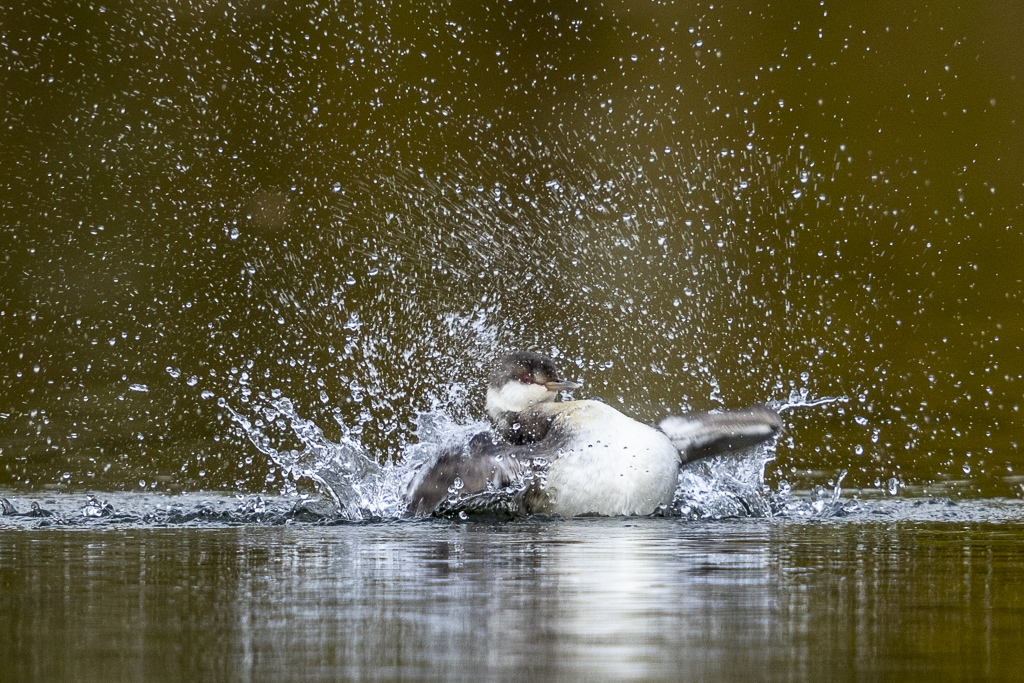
(519, 423)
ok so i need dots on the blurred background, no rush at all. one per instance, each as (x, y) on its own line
(693, 205)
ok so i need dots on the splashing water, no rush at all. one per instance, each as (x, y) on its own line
(360, 488)
(340, 468)
(801, 398)
(725, 486)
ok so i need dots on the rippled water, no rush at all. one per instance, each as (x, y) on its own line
(210, 587)
(205, 510)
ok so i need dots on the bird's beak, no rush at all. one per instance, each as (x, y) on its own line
(562, 385)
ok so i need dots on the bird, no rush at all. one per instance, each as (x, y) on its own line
(573, 458)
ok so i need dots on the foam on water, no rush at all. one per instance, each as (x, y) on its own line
(130, 510)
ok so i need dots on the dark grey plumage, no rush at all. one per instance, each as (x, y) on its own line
(700, 435)
(485, 463)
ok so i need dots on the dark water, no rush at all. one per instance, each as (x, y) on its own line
(894, 590)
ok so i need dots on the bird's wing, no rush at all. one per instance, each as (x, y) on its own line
(699, 435)
(481, 465)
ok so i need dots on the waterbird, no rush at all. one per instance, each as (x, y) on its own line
(577, 457)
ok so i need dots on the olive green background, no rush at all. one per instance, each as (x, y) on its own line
(693, 205)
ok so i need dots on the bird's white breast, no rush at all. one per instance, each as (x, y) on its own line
(610, 464)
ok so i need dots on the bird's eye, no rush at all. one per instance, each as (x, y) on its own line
(525, 378)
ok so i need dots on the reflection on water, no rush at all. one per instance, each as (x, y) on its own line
(650, 599)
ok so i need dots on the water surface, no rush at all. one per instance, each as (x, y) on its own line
(908, 589)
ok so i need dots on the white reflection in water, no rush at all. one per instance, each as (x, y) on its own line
(623, 603)
(594, 599)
